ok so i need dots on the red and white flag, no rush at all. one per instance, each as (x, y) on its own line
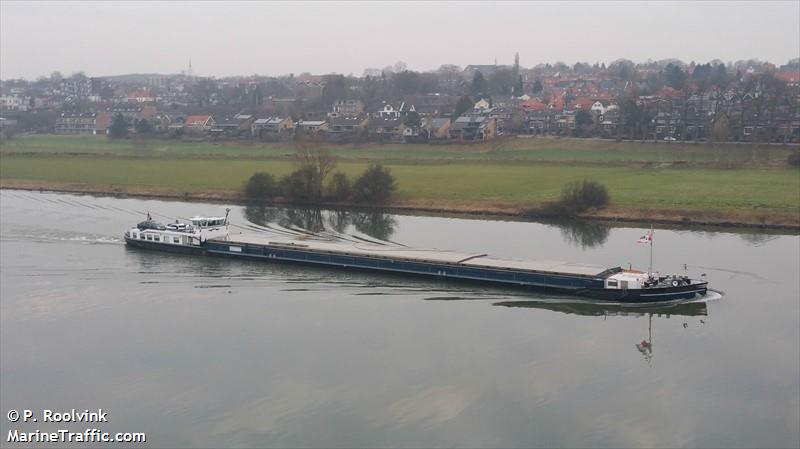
(647, 238)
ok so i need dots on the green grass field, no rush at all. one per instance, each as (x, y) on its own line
(499, 175)
(684, 189)
(536, 149)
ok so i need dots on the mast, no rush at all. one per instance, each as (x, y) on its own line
(650, 272)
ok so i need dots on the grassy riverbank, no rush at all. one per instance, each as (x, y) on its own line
(758, 191)
(531, 149)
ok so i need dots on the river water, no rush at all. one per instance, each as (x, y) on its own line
(211, 352)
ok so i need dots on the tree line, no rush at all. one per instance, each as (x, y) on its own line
(314, 181)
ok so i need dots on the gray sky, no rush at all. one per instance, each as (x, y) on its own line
(243, 38)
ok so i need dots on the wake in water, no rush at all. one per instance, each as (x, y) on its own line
(45, 237)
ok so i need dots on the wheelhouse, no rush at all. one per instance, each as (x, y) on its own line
(208, 222)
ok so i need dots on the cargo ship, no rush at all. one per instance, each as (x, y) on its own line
(210, 236)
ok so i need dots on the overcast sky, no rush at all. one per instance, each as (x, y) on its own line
(230, 38)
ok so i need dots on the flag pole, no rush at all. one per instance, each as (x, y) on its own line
(650, 273)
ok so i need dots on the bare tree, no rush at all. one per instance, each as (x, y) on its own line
(311, 155)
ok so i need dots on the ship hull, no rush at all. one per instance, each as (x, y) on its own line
(649, 295)
(558, 283)
(181, 249)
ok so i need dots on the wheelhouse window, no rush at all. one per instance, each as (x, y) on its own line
(612, 283)
(176, 240)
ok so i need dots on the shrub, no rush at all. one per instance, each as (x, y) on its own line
(260, 186)
(301, 185)
(585, 195)
(579, 197)
(374, 186)
(339, 188)
(794, 159)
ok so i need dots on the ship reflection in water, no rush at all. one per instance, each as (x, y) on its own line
(645, 347)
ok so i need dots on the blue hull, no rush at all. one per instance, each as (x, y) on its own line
(559, 283)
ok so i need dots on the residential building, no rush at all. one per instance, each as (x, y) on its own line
(386, 129)
(14, 102)
(347, 124)
(348, 107)
(236, 126)
(272, 128)
(390, 112)
(473, 128)
(312, 126)
(198, 124)
(76, 123)
(437, 128)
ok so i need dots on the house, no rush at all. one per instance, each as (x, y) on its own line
(503, 116)
(386, 129)
(792, 79)
(434, 104)
(482, 104)
(161, 122)
(564, 122)
(14, 103)
(406, 108)
(312, 126)
(473, 128)
(540, 121)
(582, 103)
(236, 126)
(102, 122)
(600, 107)
(272, 128)
(388, 111)
(437, 128)
(76, 123)
(532, 104)
(198, 124)
(141, 96)
(176, 125)
(610, 121)
(504, 101)
(347, 128)
(348, 107)
(347, 124)
(132, 112)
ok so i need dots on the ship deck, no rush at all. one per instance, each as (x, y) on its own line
(436, 256)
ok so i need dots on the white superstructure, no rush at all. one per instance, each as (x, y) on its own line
(178, 233)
